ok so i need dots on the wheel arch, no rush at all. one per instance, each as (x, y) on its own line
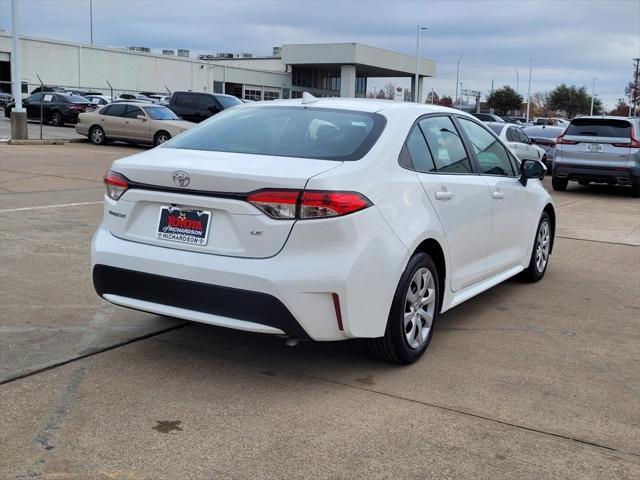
(552, 217)
(432, 247)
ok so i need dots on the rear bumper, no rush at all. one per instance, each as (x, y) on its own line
(601, 174)
(292, 292)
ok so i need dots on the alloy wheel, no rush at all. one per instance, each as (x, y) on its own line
(419, 308)
(542, 246)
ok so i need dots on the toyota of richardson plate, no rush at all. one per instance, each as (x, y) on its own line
(322, 219)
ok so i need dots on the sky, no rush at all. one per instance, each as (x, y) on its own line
(570, 41)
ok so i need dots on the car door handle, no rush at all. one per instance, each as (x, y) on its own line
(497, 195)
(443, 195)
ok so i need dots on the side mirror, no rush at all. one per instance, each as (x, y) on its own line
(532, 141)
(531, 169)
(142, 117)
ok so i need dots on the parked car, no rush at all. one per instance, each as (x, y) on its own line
(518, 120)
(296, 219)
(487, 117)
(522, 146)
(98, 99)
(602, 149)
(545, 137)
(5, 99)
(133, 97)
(558, 122)
(57, 108)
(133, 122)
(196, 107)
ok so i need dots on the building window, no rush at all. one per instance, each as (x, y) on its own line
(271, 95)
(253, 94)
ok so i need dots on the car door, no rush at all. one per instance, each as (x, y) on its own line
(207, 106)
(112, 120)
(185, 106)
(459, 196)
(513, 225)
(32, 106)
(136, 129)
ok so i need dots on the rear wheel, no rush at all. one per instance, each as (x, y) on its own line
(559, 184)
(413, 313)
(160, 138)
(56, 119)
(96, 135)
(541, 250)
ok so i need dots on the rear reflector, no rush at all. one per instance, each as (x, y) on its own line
(336, 306)
(307, 204)
(116, 184)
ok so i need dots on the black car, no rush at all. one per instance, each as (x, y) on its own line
(196, 107)
(57, 108)
(487, 117)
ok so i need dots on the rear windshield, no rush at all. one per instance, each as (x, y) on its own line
(320, 133)
(542, 132)
(229, 101)
(73, 99)
(596, 127)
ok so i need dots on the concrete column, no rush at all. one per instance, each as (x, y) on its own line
(413, 86)
(348, 81)
(19, 130)
(420, 88)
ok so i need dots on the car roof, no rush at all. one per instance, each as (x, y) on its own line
(369, 105)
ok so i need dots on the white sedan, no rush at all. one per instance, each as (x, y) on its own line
(326, 219)
(518, 141)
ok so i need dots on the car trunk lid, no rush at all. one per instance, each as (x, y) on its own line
(213, 198)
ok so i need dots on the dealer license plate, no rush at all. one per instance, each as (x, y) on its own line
(183, 226)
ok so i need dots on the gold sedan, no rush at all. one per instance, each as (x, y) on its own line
(131, 122)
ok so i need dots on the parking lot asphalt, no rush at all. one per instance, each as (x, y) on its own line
(524, 381)
(48, 132)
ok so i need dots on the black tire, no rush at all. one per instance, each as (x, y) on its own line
(559, 184)
(56, 119)
(393, 346)
(635, 189)
(534, 273)
(97, 136)
(160, 138)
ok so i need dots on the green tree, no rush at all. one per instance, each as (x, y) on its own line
(622, 108)
(504, 100)
(573, 100)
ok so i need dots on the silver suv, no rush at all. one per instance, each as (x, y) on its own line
(599, 149)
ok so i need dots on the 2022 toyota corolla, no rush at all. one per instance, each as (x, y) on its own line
(325, 219)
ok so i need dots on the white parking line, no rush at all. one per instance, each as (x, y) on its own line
(7, 210)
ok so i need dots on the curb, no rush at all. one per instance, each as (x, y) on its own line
(51, 141)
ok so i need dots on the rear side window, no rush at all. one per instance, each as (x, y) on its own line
(599, 127)
(133, 112)
(320, 133)
(205, 101)
(421, 158)
(445, 145)
(116, 110)
(185, 100)
(512, 135)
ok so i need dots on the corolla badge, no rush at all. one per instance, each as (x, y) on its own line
(181, 179)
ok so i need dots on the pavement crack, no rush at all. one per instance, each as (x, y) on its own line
(475, 415)
(598, 241)
(86, 354)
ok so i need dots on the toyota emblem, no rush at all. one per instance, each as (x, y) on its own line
(181, 179)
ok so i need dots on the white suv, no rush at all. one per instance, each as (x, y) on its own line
(325, 219)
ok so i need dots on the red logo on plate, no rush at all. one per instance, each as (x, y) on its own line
(183, 222)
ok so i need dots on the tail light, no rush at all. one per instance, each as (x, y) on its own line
(562, 141)
(307, 204)
(632, 143)
(116, 184)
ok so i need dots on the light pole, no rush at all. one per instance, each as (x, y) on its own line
(529, 91)
(457, 78)
(18, 115)
(91, 19)
(517, 81)
(416, 94)
(593, 94)
(460, 104)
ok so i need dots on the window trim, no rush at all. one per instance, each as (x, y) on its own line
(516, 175)
(465, 145)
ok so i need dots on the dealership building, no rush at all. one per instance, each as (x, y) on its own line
(333, 69)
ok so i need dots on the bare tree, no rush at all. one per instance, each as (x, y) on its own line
(389, 90)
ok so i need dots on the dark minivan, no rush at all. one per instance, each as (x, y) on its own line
(196, 107)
